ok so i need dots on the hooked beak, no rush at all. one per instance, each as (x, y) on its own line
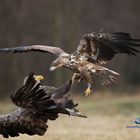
(52, 68)
(39, 78)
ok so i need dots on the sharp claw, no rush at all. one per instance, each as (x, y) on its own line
(88, 91)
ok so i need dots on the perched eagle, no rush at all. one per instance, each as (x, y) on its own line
(93, 51)
(37, 104)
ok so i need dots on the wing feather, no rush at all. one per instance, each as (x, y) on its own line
(103, 46)
(40, 48)
(31, 95)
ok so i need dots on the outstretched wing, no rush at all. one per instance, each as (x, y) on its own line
(103, 46)
(31, 96)
(40, 48)
(29, 118)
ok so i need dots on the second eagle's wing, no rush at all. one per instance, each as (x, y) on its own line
(31, 96)
(103, 46)
(40, 48)
(29, 118)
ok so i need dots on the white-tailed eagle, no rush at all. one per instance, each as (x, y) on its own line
(37, 104)
(93, 51)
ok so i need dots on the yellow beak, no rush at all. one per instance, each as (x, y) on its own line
(39, 78)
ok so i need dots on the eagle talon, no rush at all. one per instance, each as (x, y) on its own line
(88, 91)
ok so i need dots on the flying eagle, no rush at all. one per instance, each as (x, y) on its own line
(94, 50)
(37, 104)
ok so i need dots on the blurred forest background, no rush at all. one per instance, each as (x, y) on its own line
(62, 23)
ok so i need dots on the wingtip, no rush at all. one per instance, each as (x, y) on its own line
(73, 112)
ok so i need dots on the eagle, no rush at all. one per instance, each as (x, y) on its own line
(36, 105)
(87, 61)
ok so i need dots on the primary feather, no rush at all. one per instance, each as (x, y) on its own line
(103, 46)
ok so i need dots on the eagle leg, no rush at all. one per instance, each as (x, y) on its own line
(88, 91)
(77, 77)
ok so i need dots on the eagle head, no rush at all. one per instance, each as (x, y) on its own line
(56, 64)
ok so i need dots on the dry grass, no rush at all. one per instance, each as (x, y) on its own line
(107, 120)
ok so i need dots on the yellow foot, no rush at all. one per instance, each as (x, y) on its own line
(88, 91)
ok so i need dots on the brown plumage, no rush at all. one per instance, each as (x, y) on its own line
(93, 50)
(37, 104)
